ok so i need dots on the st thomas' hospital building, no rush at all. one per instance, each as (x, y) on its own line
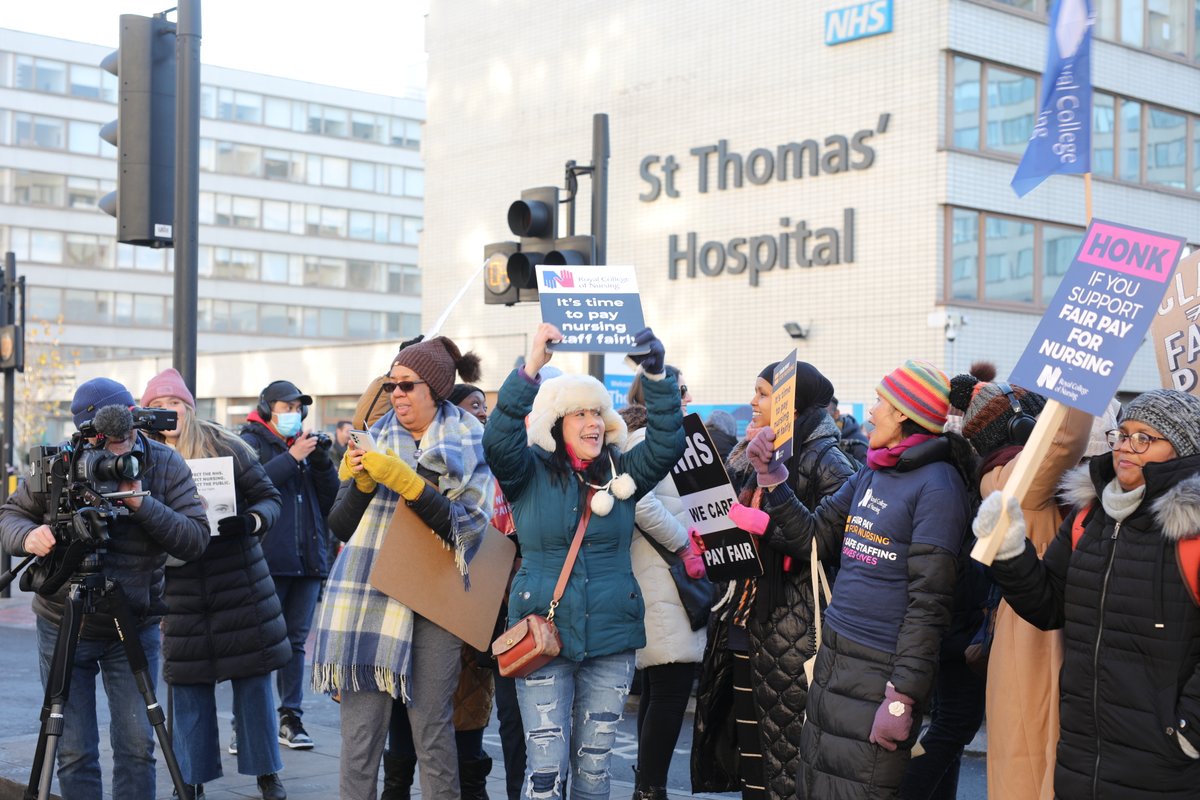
(768, 168)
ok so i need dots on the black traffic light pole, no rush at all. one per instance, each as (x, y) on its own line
(600, 152)
(187, 187)
(12, 317)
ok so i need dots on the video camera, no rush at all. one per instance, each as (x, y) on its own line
(78, 483)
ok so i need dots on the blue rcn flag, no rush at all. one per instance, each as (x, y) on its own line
(1062, 136)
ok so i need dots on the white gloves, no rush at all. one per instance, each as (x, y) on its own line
(989, 514)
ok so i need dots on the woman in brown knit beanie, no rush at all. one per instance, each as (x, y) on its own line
(371, 649)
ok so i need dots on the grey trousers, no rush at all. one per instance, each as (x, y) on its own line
(365, 718)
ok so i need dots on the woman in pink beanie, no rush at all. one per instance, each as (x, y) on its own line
(223, 620)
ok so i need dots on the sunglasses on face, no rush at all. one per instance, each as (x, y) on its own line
(683, 390)
(404, 386)
(1138, 442)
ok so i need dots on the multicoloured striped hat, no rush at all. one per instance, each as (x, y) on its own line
(919, 391)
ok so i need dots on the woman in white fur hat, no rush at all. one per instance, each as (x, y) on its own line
(569, 460)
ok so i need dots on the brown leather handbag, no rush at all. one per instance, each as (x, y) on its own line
(534, 642)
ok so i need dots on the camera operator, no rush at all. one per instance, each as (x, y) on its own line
(169, 521)
(297, 550)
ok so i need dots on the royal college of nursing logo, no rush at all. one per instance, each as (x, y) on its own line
(871, 502)
(563, 279)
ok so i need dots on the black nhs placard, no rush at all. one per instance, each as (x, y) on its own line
(707, 495)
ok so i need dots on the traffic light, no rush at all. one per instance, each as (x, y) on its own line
(497, 288)
(572, 251)
(143, 132)
(535, 219)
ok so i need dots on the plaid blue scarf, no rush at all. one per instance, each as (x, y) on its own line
(364, 637)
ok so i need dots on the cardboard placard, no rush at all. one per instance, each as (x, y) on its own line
(707, 495)
(783, 406)
(1175, 332)
(415, 568)
(1099, 315)
(597, 309)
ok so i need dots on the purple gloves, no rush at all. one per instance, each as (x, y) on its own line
(761, 453)
(751, 520)
(652, 363)
(693, 556)
(893, 719)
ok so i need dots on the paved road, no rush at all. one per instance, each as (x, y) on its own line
(311, 774)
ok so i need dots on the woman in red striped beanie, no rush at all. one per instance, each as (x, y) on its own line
(896, 528)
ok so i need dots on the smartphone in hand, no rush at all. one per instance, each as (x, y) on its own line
(362, 440)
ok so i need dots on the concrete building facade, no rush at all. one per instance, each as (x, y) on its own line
(763, 175)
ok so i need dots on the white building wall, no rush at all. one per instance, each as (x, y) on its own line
(511, 97)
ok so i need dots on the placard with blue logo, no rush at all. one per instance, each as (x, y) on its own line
(707, 495)
(1099, 315)
(597, 309)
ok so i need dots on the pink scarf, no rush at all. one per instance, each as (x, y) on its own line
(889, 456)
(577, 464)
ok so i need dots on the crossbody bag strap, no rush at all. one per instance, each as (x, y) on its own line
(569, 564)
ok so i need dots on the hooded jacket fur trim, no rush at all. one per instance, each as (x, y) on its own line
(565, 394)
(1177, 510)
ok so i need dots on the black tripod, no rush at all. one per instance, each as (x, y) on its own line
(92, 592)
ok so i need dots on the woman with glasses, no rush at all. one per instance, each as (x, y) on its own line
(1114, 581)
(370, 649)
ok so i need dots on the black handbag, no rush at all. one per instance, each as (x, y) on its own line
(697, 595)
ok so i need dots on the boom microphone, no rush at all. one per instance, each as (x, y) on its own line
(113, 422)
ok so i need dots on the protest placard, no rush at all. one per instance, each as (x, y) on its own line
(1175, 332)
(783, 406)
(707, 495)
(1085, 341)
(214, 483)
(1099, 315)
(597, 309)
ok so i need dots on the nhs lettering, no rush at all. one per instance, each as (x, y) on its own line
(858, 21)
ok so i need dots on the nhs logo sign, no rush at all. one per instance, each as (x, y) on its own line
(858, 21)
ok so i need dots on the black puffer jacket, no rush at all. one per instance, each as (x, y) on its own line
(1131, 665)
(781, 635)
(170, 521)
(923, 496)
(224, 619)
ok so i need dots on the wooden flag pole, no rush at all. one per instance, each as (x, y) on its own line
(1030, 458)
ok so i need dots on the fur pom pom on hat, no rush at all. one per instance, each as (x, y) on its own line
(560, 396)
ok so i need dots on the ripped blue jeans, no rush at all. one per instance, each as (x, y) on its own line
(571, 710)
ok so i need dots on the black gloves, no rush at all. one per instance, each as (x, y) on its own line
(319, 457)
(654, 361)
(240, 525)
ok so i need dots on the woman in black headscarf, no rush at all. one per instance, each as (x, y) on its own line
(769, 620)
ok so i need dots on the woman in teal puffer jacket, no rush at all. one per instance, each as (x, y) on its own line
(568, 457)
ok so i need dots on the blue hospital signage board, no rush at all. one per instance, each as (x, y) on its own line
(858, 21)
(597, 309)
(1099, 315)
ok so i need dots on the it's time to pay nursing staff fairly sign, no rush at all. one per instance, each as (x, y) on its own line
(1099, 315)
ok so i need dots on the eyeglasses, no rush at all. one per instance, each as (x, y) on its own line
(1138, 442)
(404, 386)
(683, 390)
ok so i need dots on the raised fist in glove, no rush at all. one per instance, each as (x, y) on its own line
(239, 525)
(393, 473)
(893, 719)
(989, 514)
(352, 467)
(693, 556)
(653, 362)
(751, 520)
(761, 452)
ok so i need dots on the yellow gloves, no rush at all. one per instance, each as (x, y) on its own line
(394, 474)
(364, 482)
